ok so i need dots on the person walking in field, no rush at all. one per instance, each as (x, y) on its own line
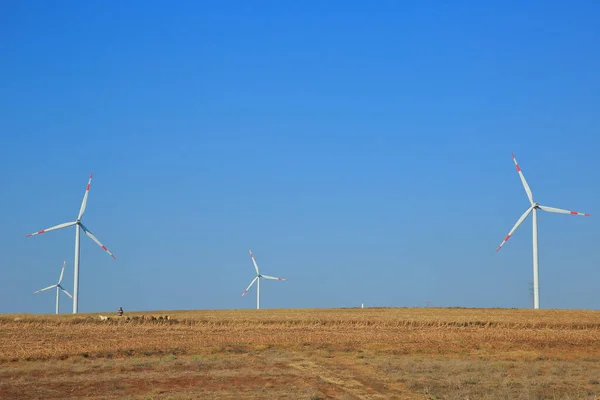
(120, 311)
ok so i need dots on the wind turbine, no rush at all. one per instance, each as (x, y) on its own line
(534, 207)
(78, 224)
(257, 280)
(57, 286)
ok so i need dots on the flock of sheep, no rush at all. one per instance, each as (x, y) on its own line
(137, 318)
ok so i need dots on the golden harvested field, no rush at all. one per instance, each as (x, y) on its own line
(375, 353)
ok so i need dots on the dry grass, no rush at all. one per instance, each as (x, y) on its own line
(343, 353)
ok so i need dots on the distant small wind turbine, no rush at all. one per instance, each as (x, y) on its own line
(533, 209)
(57, 286)
(78, 224)
(257, 280)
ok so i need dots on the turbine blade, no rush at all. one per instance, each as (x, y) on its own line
(525, 185)
(67, 293)
(95, 239)
(561, 211)
(519, 222)
(85, 197)
(254, 261)
(250, 285)
(272, 277)
(44, 289)
(62, 272)
(59, 226)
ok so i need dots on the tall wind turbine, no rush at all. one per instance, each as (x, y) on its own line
(57, 286)
(534, 207)
(257, 280)
(78, 224)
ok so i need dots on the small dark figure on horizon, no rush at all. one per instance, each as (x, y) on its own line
(120, 311)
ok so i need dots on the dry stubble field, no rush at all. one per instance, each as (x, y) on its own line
(424, 353)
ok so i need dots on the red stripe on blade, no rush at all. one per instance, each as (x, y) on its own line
(42, 231)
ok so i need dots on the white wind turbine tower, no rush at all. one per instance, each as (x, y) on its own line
(257, 280)
(78, 224)
(534, 207)
(57, 286)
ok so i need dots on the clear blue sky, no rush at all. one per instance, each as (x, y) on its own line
(360, 148)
